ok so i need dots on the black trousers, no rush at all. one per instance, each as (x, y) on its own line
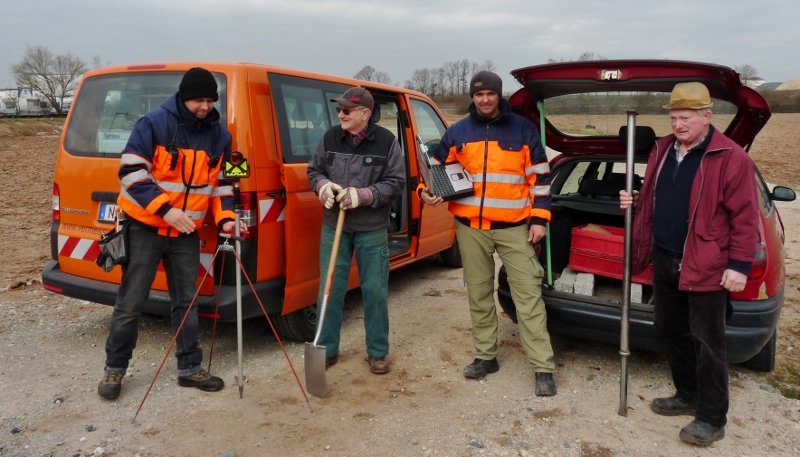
(692, 327)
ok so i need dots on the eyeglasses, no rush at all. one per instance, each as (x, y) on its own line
(346, 111)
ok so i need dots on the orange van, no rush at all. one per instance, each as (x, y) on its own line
(277, 117)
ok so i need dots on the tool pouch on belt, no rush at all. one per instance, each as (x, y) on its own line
(114, 247)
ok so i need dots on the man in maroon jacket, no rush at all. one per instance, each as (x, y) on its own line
(701, 236)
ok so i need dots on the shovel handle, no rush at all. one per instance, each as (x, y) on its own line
(337, 236)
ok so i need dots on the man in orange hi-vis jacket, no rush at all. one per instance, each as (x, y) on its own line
(507, 214)
(170, 177)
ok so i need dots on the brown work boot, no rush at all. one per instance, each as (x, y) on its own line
(111, 385)
(202, 380)
(378, 365)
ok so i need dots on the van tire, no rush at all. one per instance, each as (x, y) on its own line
(299, 326)
(764, 361)
(451, 257)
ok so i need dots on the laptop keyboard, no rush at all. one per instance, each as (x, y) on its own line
(441, 182)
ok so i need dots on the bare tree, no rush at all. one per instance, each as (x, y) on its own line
(369, 73)
(55, 76)
(450, 77)
(747, 73)
(423, 80)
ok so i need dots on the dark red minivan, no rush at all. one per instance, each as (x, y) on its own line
(584, 110)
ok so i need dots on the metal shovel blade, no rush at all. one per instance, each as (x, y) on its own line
(315, 354)
(316, 384)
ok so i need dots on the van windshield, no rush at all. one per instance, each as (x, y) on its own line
(108, 106)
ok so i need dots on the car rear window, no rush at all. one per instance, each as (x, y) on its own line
(603, 113)
(108, 106)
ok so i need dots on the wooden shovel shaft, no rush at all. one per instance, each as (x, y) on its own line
(337, 236)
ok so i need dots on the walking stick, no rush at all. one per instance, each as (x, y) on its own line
(624, 348)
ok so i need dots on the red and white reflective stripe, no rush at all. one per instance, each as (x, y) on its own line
(78, 248)
(83, 249)
(205, 265)
(272, 210)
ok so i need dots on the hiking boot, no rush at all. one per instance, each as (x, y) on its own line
(480, 368)
(672, 406)
(331, 361)
(111, 385)
(378, 365)
(701, 433)
(545, 385)
(201, 380)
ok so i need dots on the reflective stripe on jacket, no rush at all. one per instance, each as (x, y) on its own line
(175, 159)
(508, 165)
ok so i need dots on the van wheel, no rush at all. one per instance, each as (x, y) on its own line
(764, 361)
(298, 326)
(451, 257)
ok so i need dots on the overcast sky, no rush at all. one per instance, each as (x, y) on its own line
(397, 37)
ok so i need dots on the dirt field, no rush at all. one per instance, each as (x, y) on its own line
(52, 356)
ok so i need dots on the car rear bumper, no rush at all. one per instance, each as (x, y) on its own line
(270, 293)
(748, 330)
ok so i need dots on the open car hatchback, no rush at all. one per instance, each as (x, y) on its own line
(583, 110)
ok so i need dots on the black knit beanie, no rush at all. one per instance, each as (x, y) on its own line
(485, 80)
(198, 83)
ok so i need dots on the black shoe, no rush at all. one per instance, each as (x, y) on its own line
(331, 361)
(701, 433)
(111, 385)
(480, 368)
(672, 406)
(545, 386)
(201, 380)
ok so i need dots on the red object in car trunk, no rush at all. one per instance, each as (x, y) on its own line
(599, 249)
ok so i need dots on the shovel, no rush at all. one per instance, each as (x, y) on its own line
(315, 354)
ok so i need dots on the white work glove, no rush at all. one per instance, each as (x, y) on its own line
(327, 193)
(352, 197)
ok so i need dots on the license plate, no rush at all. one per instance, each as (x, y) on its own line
(107, 212)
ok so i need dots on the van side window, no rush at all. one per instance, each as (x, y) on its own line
(109, 106)
(304, 112)
(430, 127)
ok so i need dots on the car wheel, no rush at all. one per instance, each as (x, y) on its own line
(504, 295)
(298, 326)
(451, 257)
(765, 360)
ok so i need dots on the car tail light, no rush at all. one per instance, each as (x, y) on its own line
(248, 213)
(56, 202)
(759, 266)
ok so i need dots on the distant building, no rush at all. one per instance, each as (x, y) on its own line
(23, 101)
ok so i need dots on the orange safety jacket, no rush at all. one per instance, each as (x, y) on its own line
(508, 165)
(174, 160)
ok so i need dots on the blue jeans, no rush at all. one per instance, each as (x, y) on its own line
(372, 257)
(692, 327)
(181, 258)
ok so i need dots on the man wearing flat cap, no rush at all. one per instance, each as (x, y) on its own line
(170, 179)
(701, 237)
(360, 165)
(507, 214)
